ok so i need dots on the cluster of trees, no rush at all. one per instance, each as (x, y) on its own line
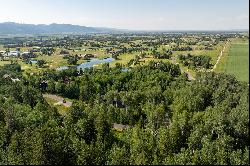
(26, 57)
(165, 55)
(124, 50)
(41, 63)
(72, 59)
(64, 52)
(194, 62)
(47, 50)
(13, 67)
(172, 121)
(137, 59)
(94, 44)
(181, 48)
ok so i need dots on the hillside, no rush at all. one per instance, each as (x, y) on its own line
(15, 28)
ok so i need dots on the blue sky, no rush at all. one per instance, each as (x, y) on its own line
(131, 14)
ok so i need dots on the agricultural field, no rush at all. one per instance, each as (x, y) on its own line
(238, 61)
(235, 60)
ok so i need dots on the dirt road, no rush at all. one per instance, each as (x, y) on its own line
(218, 60)
(189, 75)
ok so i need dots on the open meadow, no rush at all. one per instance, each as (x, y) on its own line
(238, 61)
(235, 60)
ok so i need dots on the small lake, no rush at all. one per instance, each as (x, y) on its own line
(89, 64)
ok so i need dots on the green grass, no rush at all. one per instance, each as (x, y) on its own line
(237, 62)
(211, 53)
(222, 63)
(124, 59)
(2, 48)
(54, 61)
(2, 63)
(61, 109)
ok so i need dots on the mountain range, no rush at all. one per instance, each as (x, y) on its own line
(12, 28)
(16, 28)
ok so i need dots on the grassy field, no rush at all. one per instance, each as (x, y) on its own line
(211, 53)
(221, 66)
(2, 48)
(236, 61)
(62, 109)
(2, 63)
(124, 59)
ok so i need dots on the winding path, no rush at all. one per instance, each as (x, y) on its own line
(58, 99)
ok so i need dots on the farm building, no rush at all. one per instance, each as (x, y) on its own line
(12, 53)
(8, 77)
(5, 76)
(25, 53)
(15, 79)
(87, 56)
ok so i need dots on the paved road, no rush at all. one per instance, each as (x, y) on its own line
(59, 100)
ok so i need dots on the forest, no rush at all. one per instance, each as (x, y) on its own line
(169, 120)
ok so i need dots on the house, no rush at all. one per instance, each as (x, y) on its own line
(12, 53)
(15, 79)
(2, 52)
(25, 53)
(7, 76)
(87, 56)
(36, 48)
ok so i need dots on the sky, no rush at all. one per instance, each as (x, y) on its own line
(131, 14)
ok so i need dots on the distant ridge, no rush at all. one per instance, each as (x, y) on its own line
(16, 28)
(12, 28)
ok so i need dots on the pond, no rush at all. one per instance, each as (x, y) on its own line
(93, 62)
(89, 64)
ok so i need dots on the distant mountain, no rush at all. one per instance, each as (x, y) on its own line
(15, 28)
